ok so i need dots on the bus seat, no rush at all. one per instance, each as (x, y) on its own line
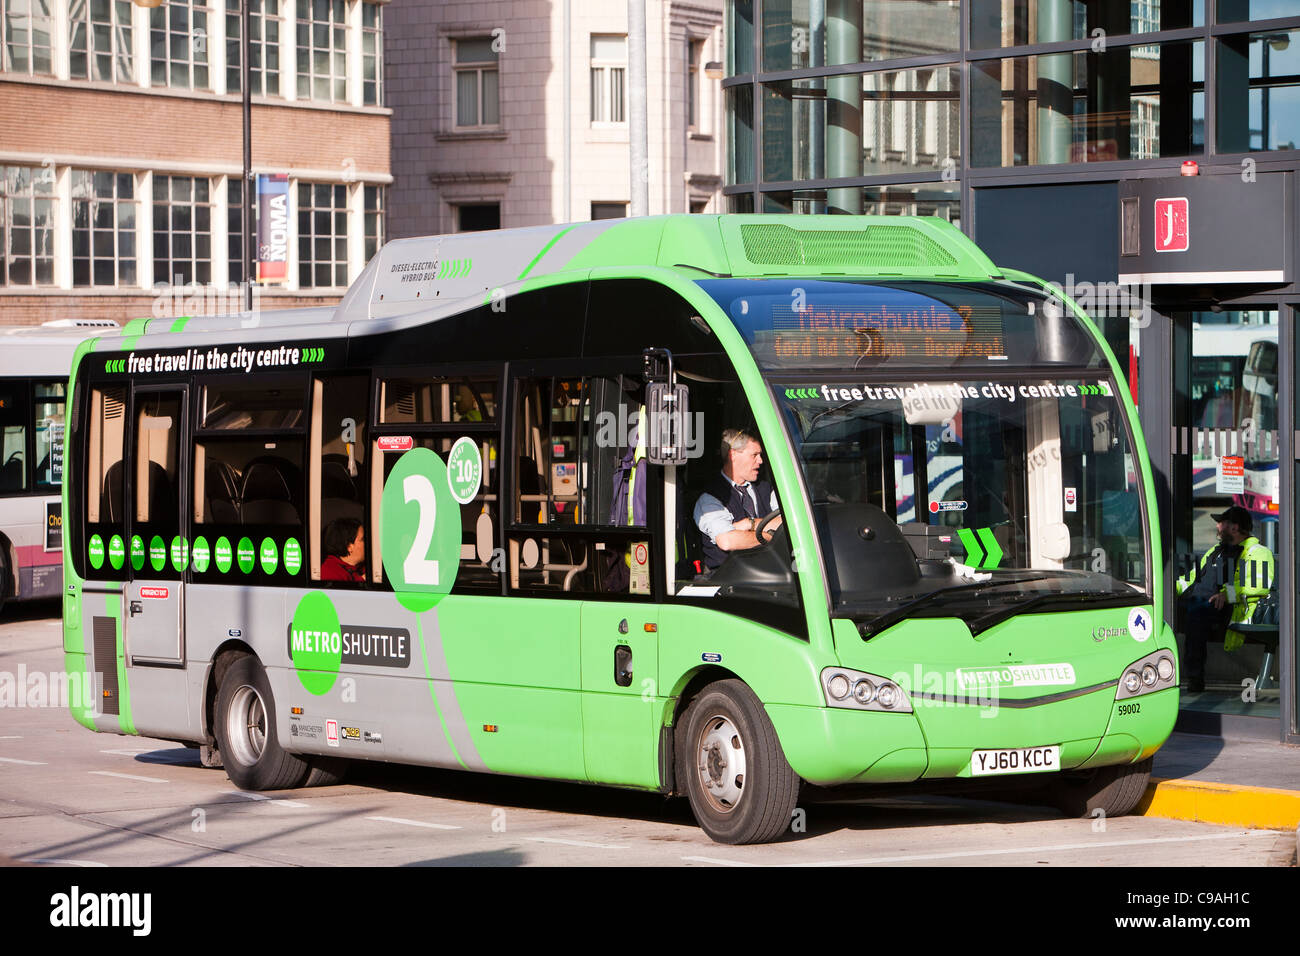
(221, 494)
(11, 473)
(270, 494)
(110, 499)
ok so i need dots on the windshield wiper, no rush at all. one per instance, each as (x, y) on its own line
(869, 629)
(985, 621)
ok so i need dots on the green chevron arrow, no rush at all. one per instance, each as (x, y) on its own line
(991, 545)
(974, 553)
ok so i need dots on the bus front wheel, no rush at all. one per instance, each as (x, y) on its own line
(1113, 790)
(245, 729)
(730, 763)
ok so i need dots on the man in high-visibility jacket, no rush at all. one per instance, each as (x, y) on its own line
(1223, 589)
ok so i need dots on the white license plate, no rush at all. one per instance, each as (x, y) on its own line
(984, 763)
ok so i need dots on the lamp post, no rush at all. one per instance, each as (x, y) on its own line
(246, 233)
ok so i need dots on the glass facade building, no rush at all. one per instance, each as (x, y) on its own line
(1141, 154)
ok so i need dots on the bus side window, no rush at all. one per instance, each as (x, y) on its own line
(13, 438)
(442, 412)
(105, 481)
(249, 506)
(572, 437)
(48, 420)
(338, 473)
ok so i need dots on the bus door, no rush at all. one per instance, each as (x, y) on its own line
(620, 621)
(158, 547)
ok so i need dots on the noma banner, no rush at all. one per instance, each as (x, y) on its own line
(272, 227)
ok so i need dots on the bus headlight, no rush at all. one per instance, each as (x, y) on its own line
(856, 690)
(1154, 672)
(864, 691)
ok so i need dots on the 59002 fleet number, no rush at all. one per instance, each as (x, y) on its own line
(1126, 709)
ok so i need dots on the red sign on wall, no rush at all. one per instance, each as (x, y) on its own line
(1171, 225)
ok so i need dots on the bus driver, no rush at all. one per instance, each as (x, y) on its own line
(728, 512)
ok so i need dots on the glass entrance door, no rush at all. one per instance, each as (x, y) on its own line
(1227, 510)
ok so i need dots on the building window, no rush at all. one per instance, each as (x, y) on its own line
(28, 36)
(100, 43)
(322, 51)
(608, 210)
(476, 217)
(694, 53)
(182, 230)
(477, 98)
(235, 228)
(608, 79)
(263, 47)
(178, 41)
(1258, 91)
(1004, 23)
(103, 228)
(372, 54)
(1046, 109)
(374, 202)
(322, 235)
(26, 225)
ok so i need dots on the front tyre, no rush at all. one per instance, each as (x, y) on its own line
(246, 732)
(1113, 790)
(732, 768)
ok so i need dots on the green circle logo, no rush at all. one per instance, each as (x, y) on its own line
(157, 553)
(200, 554)
(268, 555)
(464, 470)
(245, 555)
(316, 642)
(180, 554)
(96, 552)
(420, 530)
(116, 552)
(292, 556)
(222, 554)
(137, 552)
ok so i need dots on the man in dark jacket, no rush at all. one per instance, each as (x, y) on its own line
(728, 512)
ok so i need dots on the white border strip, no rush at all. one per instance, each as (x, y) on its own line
(1155, 278)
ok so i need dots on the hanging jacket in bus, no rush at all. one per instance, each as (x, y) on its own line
(627, 506)
(1251, 577)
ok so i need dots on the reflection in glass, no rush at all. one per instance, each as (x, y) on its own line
(1003, 23)
(1258, 91)
(1125, 103)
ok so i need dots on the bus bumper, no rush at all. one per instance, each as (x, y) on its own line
(830, 745)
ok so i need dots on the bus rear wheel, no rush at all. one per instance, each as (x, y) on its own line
(246, 732)
(1113, 790)
(730, 763)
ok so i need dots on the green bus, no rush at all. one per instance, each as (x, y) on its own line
(470, 519)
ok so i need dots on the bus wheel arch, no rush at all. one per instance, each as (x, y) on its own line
(731, 767)
(244, 725)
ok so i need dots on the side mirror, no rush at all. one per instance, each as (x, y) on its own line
(668, 410)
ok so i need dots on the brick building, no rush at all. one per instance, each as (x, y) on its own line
(121, 151)
(516, 113)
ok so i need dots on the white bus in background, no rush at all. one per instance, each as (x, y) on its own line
(1225, 394)
(34, 365)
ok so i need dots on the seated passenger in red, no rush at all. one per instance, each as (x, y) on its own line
(345, 543)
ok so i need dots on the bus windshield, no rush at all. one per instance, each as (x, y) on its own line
(1015, 479)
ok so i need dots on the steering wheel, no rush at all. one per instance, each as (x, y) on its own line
(761, 525)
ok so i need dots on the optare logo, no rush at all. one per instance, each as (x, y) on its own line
(1139, 624)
